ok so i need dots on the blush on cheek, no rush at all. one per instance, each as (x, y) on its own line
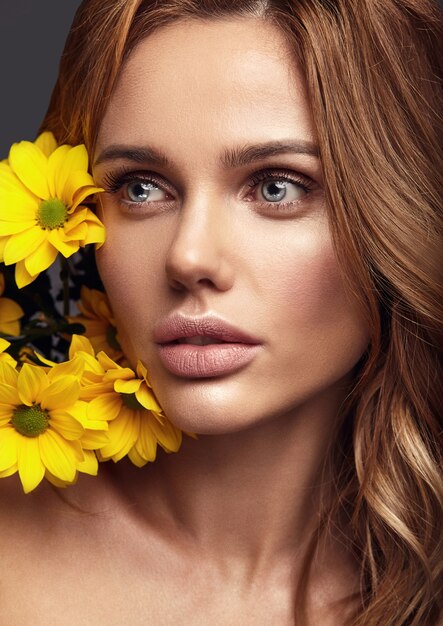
(312, 304)
(308, 286)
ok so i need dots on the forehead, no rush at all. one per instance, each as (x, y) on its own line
(209, 82)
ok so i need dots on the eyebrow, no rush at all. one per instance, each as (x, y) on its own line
(132, 153)
(244, 155)
(231, 157)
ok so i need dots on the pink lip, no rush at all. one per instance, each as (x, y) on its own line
(194, 361)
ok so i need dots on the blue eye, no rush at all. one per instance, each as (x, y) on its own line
(142, 191)
(277, 190)
(274, 187)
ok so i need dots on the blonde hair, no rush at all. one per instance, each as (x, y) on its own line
(373, 72)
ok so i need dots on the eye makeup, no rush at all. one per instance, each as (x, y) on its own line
(121, 183)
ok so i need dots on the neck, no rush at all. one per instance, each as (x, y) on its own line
(253, 496)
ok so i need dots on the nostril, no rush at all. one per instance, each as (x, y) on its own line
(177, 285)
(205, 282)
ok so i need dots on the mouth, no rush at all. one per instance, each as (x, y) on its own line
(203, 347)
(197, 341)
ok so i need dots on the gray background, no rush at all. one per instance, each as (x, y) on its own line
(32, 35)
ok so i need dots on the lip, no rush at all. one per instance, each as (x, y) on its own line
(193, 361)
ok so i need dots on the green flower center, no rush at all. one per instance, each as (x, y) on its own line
(130, 400)
(111, 338)
(52, 214)
(30, 421)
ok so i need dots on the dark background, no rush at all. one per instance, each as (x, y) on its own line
(32, 35)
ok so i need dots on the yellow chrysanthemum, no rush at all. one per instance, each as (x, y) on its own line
(97, 318)
(125, 398)
(43, 424)
(27, 355)
(10, 313)
(4, 356)
(42, 187)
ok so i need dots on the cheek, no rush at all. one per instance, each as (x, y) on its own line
(127, 261)
(313, 287)
(303, 277)
(308, 303)
(128, 269)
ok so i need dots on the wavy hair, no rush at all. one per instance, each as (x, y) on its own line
(373, 72)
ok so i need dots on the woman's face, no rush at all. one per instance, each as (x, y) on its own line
(217, 228)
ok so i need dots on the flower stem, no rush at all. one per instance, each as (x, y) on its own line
(64, 275)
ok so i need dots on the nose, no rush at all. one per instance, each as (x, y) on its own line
(198, 257)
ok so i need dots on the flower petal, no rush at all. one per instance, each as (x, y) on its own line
(146, 399)
(3, 242)
(22, 244)
(75, 413)
(22, 276)
(136, 458)
(46, 142)
(78, 234)
(90, 464)
(122, 434)
(30, 467)
(12, 228)
(67, 164)
(8, 375)
(9, 395)
(96, 234)
(10, 311)
(94, 439)
(60, 484)
(112, 369)
(8, 472)
(75, 219)
(10, 328)
(55, 162)
(31, 166)
(146, 444)
(41, 259)
(80, 343)
(61, 393)
(8, 447)
(73, 367)
(127, 386)
(58, 456)
(6, 413)
(66, 426)
(10, 183)
(104, 407)
(169, 437)
(31, 382)
(17, 206)
(66, 248)
(81, 187)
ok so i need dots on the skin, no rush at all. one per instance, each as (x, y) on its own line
(216, 533)
(215, 248)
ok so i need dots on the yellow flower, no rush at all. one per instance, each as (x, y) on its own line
(26, 355)
(97, 318)
(4, 356)
(10, 313)
(42, 187)
(125, 398)
(42, 424)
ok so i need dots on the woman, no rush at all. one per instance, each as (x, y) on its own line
(271, 174)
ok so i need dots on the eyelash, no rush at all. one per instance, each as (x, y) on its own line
(306, 184)
(114, 181)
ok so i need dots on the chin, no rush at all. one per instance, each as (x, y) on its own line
(201, 413)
